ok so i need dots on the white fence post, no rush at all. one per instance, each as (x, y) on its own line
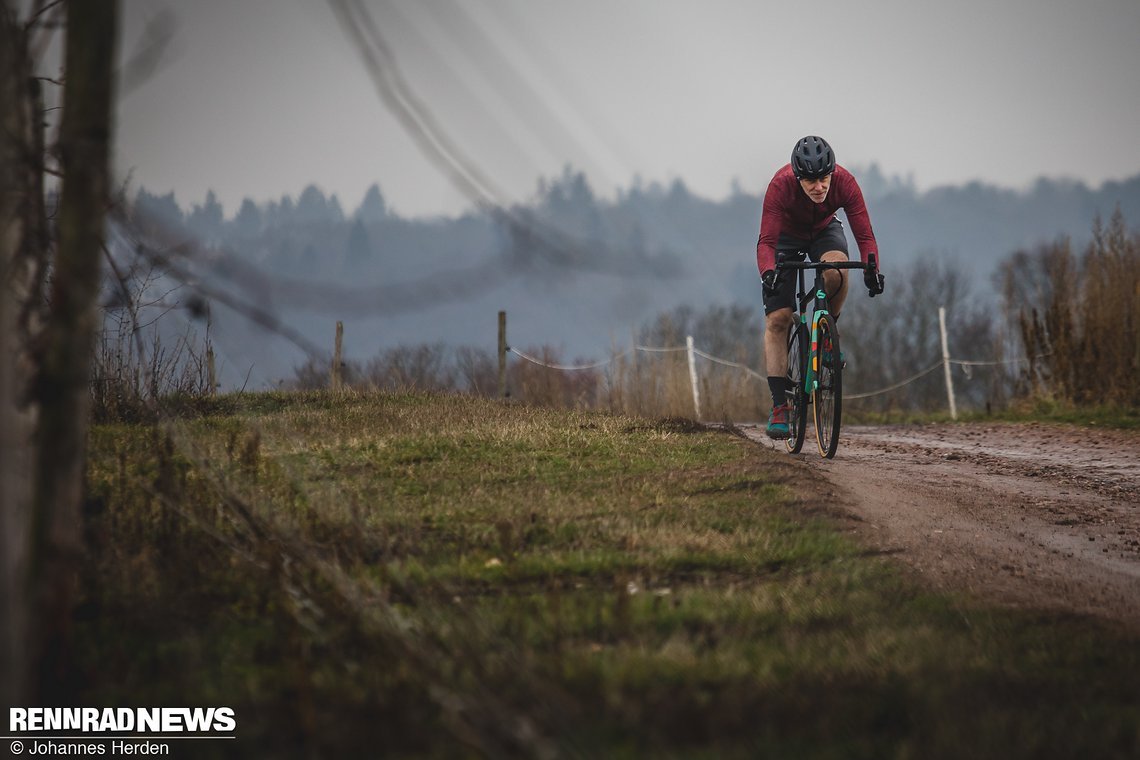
(946, 362)
(693, 378)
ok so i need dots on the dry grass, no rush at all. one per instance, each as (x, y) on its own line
(425, 575)
(1079, 318)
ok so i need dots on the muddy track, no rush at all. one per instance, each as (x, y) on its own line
(1029, 515)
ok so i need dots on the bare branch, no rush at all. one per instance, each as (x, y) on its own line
(39, 30)
(35, 19)
(130, 301)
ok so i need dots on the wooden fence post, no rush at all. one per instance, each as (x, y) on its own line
(335, 380)
(502, 354)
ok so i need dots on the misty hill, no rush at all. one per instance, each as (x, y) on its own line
(573, 271)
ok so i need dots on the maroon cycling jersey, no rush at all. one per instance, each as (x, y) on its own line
(789, 210)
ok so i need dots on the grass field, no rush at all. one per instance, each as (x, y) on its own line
(437, 576)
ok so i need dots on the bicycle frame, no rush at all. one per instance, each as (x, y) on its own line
(817, 299)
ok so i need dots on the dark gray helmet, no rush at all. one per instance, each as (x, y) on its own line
(812, 158)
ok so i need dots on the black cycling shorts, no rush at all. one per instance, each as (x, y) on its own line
(788, 248)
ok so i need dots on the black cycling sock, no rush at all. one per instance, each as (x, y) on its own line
(779, 388)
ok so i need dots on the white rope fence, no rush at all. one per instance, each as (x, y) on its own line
(564, 367)
(896, 386)
(727, 363)
(966, 364)
(595, 365)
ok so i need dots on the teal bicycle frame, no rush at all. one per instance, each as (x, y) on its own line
(817, 299)
(824, 390)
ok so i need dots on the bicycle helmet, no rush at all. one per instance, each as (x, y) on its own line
(812, 158)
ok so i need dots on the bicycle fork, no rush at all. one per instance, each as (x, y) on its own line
(811, 377)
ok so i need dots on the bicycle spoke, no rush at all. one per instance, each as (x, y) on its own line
(828, 395)
(797, 400)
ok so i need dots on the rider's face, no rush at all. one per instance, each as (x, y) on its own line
(816, 189)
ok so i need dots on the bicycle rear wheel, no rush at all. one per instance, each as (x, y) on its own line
(797, 398)
(827, 399)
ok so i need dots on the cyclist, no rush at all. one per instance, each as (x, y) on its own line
(799, 215)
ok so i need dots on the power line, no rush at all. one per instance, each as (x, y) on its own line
(544, 242)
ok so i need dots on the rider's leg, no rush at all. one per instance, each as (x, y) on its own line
(776, 359)
(836, 282)
(777, 324)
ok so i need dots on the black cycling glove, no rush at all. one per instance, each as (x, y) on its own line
(769, 280)
(871, 277)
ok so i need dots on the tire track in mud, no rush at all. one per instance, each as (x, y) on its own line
(1030, 515)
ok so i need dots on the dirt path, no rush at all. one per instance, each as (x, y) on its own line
(1030, 515)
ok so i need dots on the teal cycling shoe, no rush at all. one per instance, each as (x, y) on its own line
(778, 422)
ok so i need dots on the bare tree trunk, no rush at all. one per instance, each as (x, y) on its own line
(23, 256)
(62, 385)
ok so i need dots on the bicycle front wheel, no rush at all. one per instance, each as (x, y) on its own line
(797, 397)
(827, 399)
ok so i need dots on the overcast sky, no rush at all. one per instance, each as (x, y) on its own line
(258, 98)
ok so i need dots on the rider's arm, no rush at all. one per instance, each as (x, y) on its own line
(851, 199)
(771, 224)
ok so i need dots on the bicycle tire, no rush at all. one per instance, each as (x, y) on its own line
(797, 398)
(827, 399)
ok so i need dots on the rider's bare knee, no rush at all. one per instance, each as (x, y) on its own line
(780, 321)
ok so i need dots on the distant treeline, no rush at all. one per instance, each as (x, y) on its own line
(974, 224)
